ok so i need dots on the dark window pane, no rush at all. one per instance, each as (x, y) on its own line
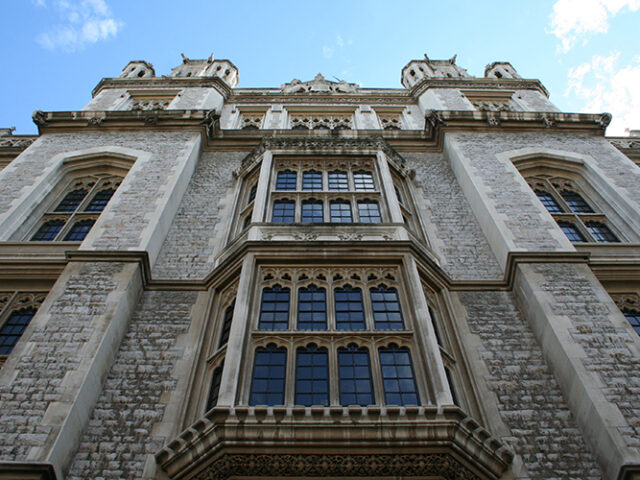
(398, 196)
(576, 202)
(252, 193)
(13, 329)
(71, 201)
(340, 211)
(338, 181)
(634, 318)
(363, 181)
(312, 308)
(368, 212)
(548, 201)
(312, 376)
(274, 309)
(100, 200)
(312, 211)
(386, 308)
(601, 232)
(226, 324)
(284, 211)
(214, 390)
(452, 387)
(48, 231)
(286, 180)
(349, 309)
(356, 387)
(312, 180)
(572, 232)
(79, 231)
(269, 372)
(398, 379)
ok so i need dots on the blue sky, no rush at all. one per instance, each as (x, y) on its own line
(584, 51)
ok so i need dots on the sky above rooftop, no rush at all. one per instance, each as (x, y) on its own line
(584, 51)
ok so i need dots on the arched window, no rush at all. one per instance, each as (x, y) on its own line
(274, 309)
(312, 180)
(312, 376)
(354, 372)
(269, 375)
(284, 211)
(72, 216)
(14, 327)
(312, 211)
(369, 211)
(340, 211)
(398, 379)
(577, 218)
(214, 390)
(349, 308)
(312, 308)
(286, 180)
(387, 314)
(363, 181)
(338, 181)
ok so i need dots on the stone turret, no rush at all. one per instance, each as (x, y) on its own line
(417, 70)
(138, 69)
(500, 70)
(209, 67)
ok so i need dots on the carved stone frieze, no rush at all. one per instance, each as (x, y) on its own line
(319, 84)
(439, 465)
(16, 142)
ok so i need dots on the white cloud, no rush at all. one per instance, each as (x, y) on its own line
(327, 51)
(80, 22)
(602, 86)
(339, 43)
(572, 20)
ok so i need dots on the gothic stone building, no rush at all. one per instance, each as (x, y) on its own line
(440, 281)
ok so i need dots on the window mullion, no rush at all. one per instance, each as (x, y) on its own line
(290, 375)
(376, 373)
(334, 384)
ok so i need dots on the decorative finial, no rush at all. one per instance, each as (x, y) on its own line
(452, 60)
(184, 59)
(210, 59)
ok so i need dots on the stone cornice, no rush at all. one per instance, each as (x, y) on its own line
(16, 143)
(481, 83)
(363, 96)
(325, 441)
(164, 82)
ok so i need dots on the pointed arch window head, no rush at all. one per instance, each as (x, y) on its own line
(349, 308)
(548, 201)
(601, 232)
(269, 375)
(73, 216)
(354, 372)
(286, 180)
(214, 390)
(284, 211)
(369, 211)
(312, 376)
(312, 180)
(312, 211)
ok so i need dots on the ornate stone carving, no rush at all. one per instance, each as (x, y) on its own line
(16, 142)
(605, 120)
(439, 465)
(319, 84)
(39, 117)
(211, 122)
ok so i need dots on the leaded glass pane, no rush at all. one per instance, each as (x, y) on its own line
(269, 374)
(312, 180)
(13, 328)
(386, 309)
(354, 372)
(71, 201)
(349, 309)
(100, 200)
(601, 232)
(338, 181)
(576, 202)
(274, 309)
(79, 231)
(363, 181)
(284, 211)
(312, 211)
(48, 231)
(286, 180)
(572, 232)
(398, 379)
(312, 376)
(369, 212)
(548, 201)
(340, 211)
(312, 308)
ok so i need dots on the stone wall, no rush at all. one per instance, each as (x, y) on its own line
(453, 230)
(542, 430)
(188, 249)
(119, 441)
(56, 347)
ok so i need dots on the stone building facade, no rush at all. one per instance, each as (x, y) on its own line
(440, 281)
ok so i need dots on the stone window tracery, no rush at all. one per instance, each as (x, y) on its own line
(321, 121)
(333, 190)
(71, 217)
(575, 216)
(361, 341)
(629, 305)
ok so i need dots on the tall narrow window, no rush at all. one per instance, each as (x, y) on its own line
(340, 211)
(13, 328)
(71, 201)
(369, 212)
(349, 308)
(269, 374)
(601, 232)
(284, 211)
(548, 201)
(48, 231)
(226, 324)
(312, 211)
(312, 376)
(633, 316)
(572, 232)
(398, 378)
(452, 387)
(274, 309)
(312, 308)
(576, 202)
(354, 371)
(363, 181)
(214, 390)
(286, 180)
(100, 200)
(252, 193)
(338, 181)
(312, 180)
(386, 308)
(79, 230)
